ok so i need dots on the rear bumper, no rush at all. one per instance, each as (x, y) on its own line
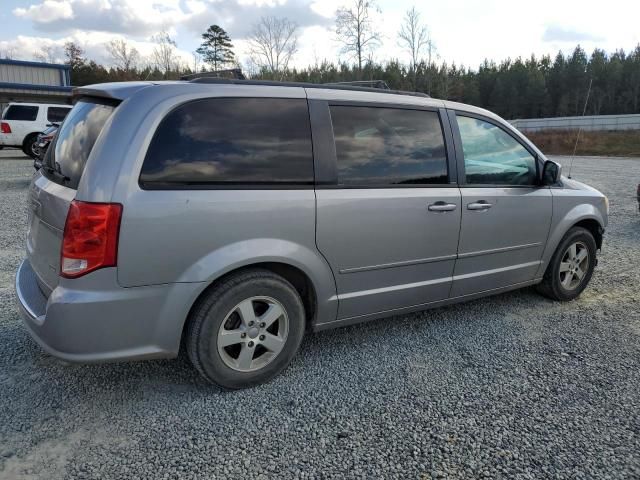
(9, 140)
(102, 321)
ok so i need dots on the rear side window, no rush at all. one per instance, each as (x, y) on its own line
(57, 114)
(231, 141)
(388, 146)
(21, 112)
(65, 163)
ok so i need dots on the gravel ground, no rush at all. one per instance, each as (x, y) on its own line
(511, 386)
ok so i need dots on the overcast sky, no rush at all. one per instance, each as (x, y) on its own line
(464, 32)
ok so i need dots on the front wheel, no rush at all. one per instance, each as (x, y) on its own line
(571, 266)
(246, 330)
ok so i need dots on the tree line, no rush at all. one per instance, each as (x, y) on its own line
(513, 88)
(531, 88)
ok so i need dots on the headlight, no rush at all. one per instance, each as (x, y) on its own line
(606, 203)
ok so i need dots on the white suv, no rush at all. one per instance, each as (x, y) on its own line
(22, 122)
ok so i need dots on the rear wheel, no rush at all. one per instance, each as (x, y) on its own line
(571, 266)
(30, 145)
(246, 330)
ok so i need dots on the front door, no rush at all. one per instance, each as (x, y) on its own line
(505, 215)
(389, 225)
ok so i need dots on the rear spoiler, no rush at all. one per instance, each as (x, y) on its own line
(109, 91)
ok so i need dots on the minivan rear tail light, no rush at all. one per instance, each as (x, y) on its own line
(5, 127)
(90, 238)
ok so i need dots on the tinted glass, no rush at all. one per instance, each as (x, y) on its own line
(74, 142)
(246, 141)
(492, 156)
(57, 114)
(21, 112)
(388, 146)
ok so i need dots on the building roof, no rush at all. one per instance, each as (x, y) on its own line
(24, 63)
(19, 78)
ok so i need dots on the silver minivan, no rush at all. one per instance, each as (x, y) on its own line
(231, 217)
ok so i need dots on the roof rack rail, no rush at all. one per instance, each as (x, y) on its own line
(228, 73)
(381, 84)
(329, 86)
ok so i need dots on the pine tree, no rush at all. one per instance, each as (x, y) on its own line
(216, 48)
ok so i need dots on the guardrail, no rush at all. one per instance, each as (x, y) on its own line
(591, 122)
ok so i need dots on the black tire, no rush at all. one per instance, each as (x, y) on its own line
(27, 145)
(551, 285)
(211, 311)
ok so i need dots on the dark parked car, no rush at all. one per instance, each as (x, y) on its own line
(42, 144)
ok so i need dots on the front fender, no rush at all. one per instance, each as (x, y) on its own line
(565, 217)
(261, 250)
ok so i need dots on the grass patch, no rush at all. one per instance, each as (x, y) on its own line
(561, 142)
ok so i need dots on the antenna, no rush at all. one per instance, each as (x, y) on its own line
(584, 110)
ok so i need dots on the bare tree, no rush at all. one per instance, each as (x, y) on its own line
(355, 29)
(123, 56)
(197, 60)
(413, 35)
(272, 44)
(8, 53)
(74, 55)
(47, 53)
(164, 54)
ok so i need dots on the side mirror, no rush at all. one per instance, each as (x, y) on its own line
(551, 173)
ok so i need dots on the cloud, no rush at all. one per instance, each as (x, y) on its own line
(555, 33)
(143, 18)
(115, 16)
(238, 16)
(48, 11)
(550, 27)
(94, 44)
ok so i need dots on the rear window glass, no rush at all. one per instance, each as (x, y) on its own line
(57, 114)
(231, 141)
(21, 112)
(65, 163)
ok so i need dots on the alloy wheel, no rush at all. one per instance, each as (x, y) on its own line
(253, 333)
(574, 265)
(35, 149)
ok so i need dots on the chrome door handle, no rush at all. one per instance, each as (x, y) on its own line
(442, 207)
(481, 205)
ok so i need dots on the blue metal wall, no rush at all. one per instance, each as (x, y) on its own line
(591, 122)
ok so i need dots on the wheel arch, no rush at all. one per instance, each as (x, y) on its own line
(304, 268)
(593, 226)
(294, 275)
(583, 215)
(27, 136)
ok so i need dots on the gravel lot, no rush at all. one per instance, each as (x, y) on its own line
(510, 386)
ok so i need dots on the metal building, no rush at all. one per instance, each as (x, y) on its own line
(36, 82)
(586, 123)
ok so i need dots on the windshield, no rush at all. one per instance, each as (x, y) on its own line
(77, 135)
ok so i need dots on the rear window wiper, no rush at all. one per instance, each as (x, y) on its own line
(57, 175)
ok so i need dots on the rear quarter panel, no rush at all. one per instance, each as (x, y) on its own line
(175, 236)
(19, 130)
